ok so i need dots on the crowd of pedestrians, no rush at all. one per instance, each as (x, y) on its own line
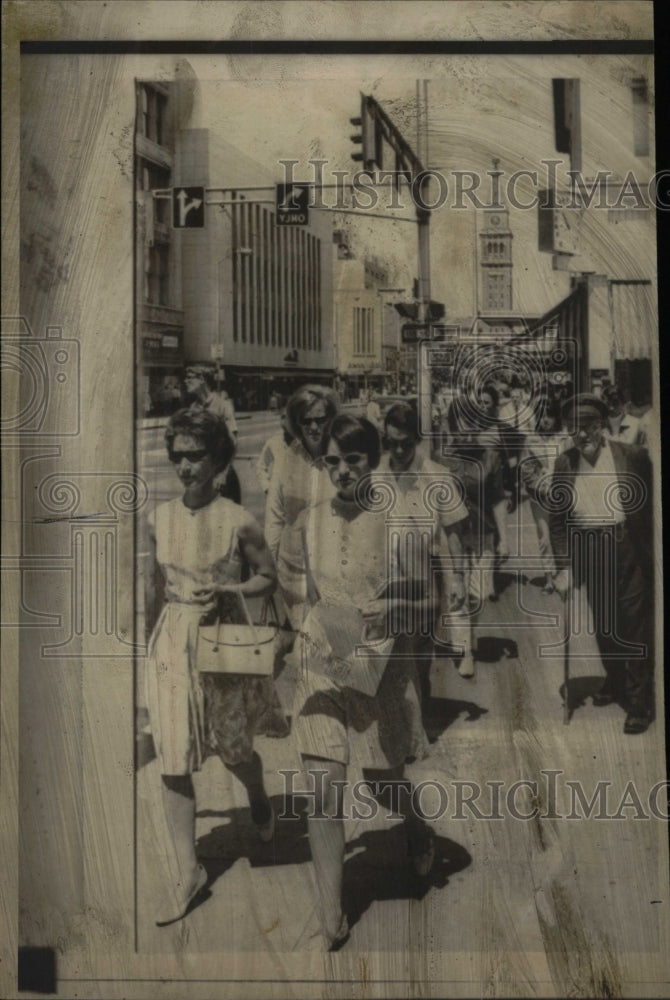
(378, 554)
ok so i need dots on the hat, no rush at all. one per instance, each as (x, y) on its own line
(584, 406)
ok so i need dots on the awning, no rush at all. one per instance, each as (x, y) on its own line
(634, 318)
(272, 373)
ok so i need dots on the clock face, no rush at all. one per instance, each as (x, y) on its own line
(494, 220)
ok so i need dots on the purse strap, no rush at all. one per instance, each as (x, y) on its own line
(247, 615)
(269, 607)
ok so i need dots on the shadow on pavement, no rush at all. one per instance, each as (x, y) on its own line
(493, 648)
(378, 870)
(579, 689)
(440, 713)
(381, 871)
(238, 838)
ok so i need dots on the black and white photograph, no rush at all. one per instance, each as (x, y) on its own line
(333, 502)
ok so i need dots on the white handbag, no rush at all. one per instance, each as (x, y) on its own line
(237, 649)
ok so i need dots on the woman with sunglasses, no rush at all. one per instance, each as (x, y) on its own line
(298, 480)
(199, 543)
(352, 712)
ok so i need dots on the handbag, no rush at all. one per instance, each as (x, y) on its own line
(237, 649)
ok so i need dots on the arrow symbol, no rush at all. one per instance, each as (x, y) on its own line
(291, 202)
(186, 206)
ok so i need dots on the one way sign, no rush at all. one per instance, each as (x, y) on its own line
(292, 205)
(188, 207)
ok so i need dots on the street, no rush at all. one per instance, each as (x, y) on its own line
(526, 892)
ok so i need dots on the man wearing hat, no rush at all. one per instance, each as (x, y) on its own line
(601, 533)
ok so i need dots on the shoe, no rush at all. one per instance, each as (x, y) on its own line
(422, 852)
(181, 910)
(266, 830)
(605, 696)
(636, 724)
(466, 667)
(341, 937)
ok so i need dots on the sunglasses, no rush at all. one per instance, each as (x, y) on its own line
(405, 444)
(352, 459)
(190, 456)
(308, 421)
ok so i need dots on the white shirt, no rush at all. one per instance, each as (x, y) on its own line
(593, 484)
(426, 492)
(271, 452)
(221, 405)
(625, 428)
(373, 412)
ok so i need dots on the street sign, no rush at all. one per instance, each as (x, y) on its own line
(411, 332)
(188, 208)
(292, 205)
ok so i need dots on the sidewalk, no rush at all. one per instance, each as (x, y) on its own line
(537, 879)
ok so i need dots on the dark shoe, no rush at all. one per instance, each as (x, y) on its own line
(342, 936)
(604, 697)
(635, 724)
(181, 908)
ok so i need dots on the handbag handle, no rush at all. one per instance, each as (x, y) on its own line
(247, 615)
(245, 609)
(269, 608)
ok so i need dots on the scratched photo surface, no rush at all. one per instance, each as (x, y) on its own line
(337, 450)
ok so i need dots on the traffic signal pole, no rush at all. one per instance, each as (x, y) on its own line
(376, 131)
(423, 375)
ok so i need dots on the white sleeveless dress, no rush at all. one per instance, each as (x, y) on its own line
(193, 715)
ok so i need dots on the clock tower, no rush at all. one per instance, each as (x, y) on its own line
(495, 259)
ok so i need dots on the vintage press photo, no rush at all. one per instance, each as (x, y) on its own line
(338, 460)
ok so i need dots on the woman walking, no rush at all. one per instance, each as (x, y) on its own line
(536, 469)
(352, 711)
(298, 480)
(470, 448)
(200, 543)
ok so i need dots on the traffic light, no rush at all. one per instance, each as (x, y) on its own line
(567, 119)
(365, 138)
(435, 311)
(408, 310)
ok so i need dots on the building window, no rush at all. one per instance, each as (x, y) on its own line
(156, 178)
(276, 281)
(363, 331)
(152, 113)
(498, 290)
(157, 275)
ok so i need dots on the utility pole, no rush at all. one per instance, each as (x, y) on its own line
(376, 130)
(423, 220)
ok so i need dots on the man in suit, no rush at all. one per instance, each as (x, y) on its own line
(601, 534)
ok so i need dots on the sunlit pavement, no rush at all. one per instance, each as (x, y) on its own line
(494, 879)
